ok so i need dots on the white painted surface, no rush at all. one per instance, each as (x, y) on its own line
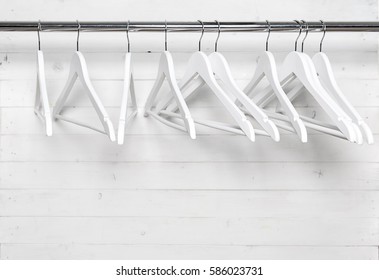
(162, 195)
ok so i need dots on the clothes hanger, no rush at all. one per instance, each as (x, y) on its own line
(266, 67)
(222, 71)
(167, 104)
(166, 71)
(42, 106)
(299, 65)
(78, 69)
(328, 81)
(127, 90)
(200, 67)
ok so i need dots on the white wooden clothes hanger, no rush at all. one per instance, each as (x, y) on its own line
(266, 67)
(166, 71)
(328, 81)
(222, 71)
(299, 65)
(127, 90)
(199, 66)
(78, 69)
(42, 106)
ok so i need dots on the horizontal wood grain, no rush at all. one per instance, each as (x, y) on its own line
(199, 231)
(315, 176)
(163, 203)
(241, 10)
(226, 252)
(164, 148)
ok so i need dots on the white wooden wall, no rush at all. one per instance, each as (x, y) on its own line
(162, 195)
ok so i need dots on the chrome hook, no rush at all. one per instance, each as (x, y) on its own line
(127, 35)
(306, 34)
(77, 38)
(202, 34)
(268, 34)
(165, 36)
(218, 34)
(39, 38)
(323, 36)
(298, 36)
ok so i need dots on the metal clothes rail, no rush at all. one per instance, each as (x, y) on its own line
(194, 26)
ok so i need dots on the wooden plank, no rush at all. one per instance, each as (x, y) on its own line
(243, 10)
(165, 148)
(23, 121)
(183, 252)
(221, 204)
(354, 65)
(189, 176)
(199, 231)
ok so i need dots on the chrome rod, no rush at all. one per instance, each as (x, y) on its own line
(176, 26)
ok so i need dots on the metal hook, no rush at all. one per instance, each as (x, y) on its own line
(127, 35)
(306, 34)
(268, 35)
(298, 36)
(218, 35)
(165, 36)
(77, 38)
(202, 34)
(323, 36)
(39, 38)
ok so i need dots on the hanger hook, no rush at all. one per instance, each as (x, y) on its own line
(298, 36)
(77, 38)
(268, 34)
(202, 33)
(39, 38)
(165, 36)
(323, 36)
(218, 34)
(306, 34)
(127, 34)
